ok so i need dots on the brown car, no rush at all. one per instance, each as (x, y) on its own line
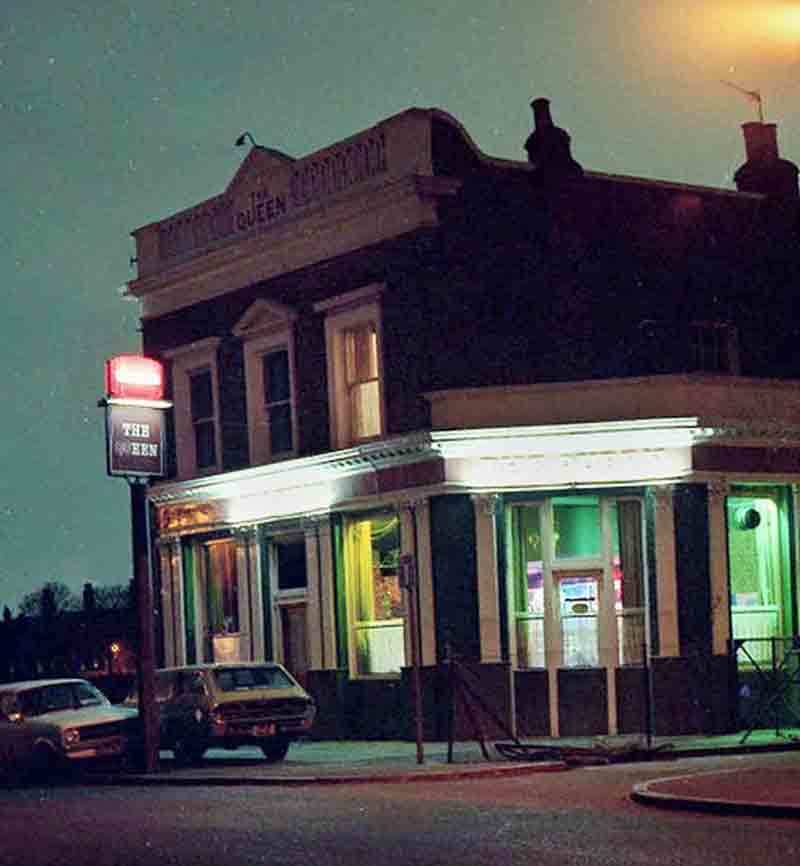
(231, 705)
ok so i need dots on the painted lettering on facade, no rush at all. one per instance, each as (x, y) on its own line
(291, 189)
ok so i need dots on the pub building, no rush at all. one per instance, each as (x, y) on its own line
(571, 398)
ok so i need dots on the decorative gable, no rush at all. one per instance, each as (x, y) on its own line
(264, 317)
(256, 168)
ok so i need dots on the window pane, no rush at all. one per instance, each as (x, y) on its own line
(280, 428)
(291, 564)
(756, 583)
(361, 353)
(372, 555)
(578, 602)
(628, 568)
(577, 526)
(529, 586)
(201, 396)
(222, 588)
(205, 446)
(365, 410)
(275, 367)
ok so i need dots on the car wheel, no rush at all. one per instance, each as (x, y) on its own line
(275, 750)
(46, 762)
(187, 751)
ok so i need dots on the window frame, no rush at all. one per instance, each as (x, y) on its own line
(724, 353)
(342, 314)
(608, 617)
(186, 361)
(354, 624)
(267, 327)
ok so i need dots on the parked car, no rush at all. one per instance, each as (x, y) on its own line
(230, 705)
(49, 725)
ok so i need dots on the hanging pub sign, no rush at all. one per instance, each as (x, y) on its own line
(135, 440)
(135, 416)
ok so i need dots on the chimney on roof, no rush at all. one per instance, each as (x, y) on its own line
(765, 172)
(548, 146)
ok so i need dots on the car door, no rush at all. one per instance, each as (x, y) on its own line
(16, 742)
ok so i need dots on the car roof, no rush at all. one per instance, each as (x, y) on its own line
(25, 685)
(219, 666)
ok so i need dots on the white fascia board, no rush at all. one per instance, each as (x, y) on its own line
(618, 436)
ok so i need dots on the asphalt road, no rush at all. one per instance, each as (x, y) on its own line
(583, 816)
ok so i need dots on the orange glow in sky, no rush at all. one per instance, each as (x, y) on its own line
(707, 40)
(778, 21)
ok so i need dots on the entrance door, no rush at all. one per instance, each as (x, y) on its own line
(293, 637)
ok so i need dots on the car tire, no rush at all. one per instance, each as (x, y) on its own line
(275, 750)
(187, 751)
(46, 763)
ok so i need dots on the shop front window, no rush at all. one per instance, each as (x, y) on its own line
(375, 599)
(529, 589)
(567, 549)
(576, 526)
(758, 573)
(628, 572)
(222, 599)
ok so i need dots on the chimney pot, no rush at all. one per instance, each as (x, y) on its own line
(541, 113)
(760, 141)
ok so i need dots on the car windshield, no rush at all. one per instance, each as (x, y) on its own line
(235, 679)
(59, 696)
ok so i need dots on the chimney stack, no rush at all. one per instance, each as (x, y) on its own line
(765, 172)
(548, 147)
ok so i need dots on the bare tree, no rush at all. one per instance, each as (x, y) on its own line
(54, 595)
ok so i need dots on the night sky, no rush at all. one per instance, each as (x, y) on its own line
(114, 114)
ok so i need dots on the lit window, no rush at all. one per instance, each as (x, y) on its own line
(355, 387)
(628, 572)
(568, 548)
(361, 381)
(759, 564)
(528, 570)
(375, 600)
(222, 586)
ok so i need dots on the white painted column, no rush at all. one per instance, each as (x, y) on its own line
(321, 596)
(718, 567)
(315, 607)
(328, 593)
(488, 582)
(608, 641)
(168, 600)
(245, 609)
(251, 612)
(666, 573)
(415, 540)
(552, 616)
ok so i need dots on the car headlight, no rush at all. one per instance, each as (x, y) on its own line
(70, 736)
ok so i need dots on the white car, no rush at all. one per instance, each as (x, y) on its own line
(49, 725)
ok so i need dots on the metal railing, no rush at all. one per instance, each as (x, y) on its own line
(773, 664)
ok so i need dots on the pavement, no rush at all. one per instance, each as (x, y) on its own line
(767, 788)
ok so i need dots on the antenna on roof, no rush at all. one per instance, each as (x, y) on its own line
(752, 95)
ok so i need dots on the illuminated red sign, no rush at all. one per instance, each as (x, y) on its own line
(134, 377)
